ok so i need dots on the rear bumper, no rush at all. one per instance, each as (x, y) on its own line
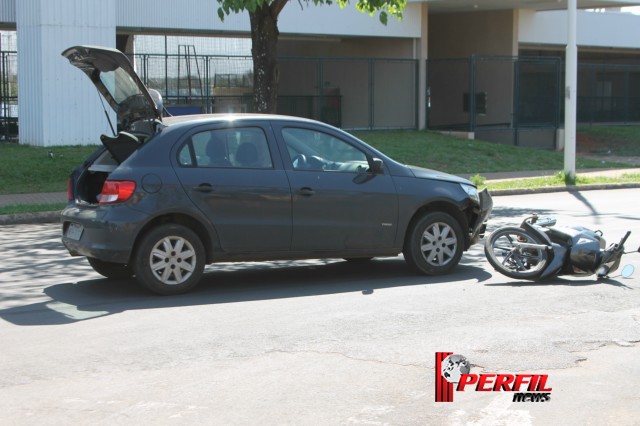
(107, 234)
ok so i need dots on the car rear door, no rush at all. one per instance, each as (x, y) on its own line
(231, 173)
(338, 203)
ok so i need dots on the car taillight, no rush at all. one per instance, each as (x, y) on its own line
(69, 190)
(116, 191)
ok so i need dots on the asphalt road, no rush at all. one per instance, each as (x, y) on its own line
(318, 342)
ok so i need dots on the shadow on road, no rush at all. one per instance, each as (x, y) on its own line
(499, 212)
(230, 283)
(556, 281)
(587, 204)
(512, 216)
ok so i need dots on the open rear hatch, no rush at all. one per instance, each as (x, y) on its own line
(138, 110)
(115, 78)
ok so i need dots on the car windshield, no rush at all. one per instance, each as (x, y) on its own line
(119, 84)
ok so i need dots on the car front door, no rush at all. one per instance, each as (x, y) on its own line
(339, 203)
(232, 175)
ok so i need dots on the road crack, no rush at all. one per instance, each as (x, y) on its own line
(350, 357)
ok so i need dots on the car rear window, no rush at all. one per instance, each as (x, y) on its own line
(227, 148)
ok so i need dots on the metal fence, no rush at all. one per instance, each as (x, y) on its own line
(510, 100)
(348, 93)
(608, 93)
(8, 96)
(520, 100)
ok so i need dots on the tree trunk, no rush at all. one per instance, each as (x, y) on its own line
(264, 37)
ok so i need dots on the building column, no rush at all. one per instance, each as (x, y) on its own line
(58, 105)
(421, 54)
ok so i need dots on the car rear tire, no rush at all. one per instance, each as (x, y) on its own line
(169, 259)
(434, 244)
(110, 270)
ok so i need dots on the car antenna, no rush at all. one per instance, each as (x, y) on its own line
(107, 114)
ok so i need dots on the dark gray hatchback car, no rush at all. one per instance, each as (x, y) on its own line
(165, 196)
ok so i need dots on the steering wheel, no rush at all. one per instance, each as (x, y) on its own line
(299, 161)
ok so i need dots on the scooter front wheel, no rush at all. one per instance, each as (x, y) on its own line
(505, 253)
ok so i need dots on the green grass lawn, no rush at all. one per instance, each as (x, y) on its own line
(26, 169)
(461, 156)
(558, 180)
(31, 208)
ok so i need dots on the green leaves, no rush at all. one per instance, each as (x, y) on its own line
(236, 6)
(383, 17)
(385, 7)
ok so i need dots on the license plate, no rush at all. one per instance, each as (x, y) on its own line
(74, 231)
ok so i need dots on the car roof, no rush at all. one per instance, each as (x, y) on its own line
(208, 118)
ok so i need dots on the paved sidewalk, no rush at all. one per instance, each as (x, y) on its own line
(61, 197)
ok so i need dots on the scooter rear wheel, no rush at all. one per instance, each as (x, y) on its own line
(502, 252)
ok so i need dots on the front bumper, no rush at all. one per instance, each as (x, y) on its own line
(486, 205)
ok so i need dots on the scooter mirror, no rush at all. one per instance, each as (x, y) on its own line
(627, 271)
(547, 221)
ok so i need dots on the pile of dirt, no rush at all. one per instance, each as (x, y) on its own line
(594, 148)
(587, 144)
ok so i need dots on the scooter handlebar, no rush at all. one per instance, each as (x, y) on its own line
(624, 239)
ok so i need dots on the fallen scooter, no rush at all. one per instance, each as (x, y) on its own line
(538, 249)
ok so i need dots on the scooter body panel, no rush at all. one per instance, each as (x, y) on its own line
(558, 260)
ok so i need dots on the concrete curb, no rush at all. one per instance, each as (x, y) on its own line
(29, 218)
(568, 188)
(54, 217)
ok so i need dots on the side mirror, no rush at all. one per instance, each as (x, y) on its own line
(627, 271)
(377, 165)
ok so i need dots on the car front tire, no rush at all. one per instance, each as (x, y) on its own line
(434, 244)
(169, 260)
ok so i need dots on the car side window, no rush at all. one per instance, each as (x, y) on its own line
(227, 148)
(314, 150)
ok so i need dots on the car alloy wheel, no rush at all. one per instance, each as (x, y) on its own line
(439, 244)
(434, 244)
(169, 259)
(172, 260)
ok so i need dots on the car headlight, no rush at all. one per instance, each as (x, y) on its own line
(471, 191)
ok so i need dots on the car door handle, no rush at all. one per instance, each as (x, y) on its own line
(203, 187)
(306, 191)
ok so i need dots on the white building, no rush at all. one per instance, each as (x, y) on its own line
(59, 106)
